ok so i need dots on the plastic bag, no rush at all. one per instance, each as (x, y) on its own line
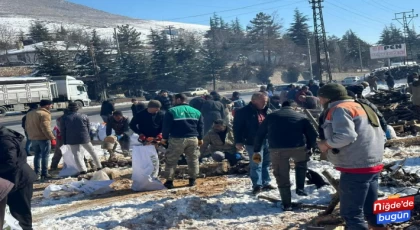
(390, 133)
(145, 169)
(71, 168)
(102, 132)
(84, 186)
(100, 176)
(134, 140)
(10, 222)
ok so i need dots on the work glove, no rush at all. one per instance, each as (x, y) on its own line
(150, 139)
(53, 142)
(159, 136)
(238, 156)
(142, 138)
(200, 142)
(256, 157)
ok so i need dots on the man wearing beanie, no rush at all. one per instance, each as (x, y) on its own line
(74, 128)
(148, 122)
(38, 127)
(354, 142)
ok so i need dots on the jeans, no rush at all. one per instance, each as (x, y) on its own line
(42, 151)
(259, 173)
(358, 192)
(28, 144)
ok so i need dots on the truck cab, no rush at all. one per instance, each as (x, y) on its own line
(70, 89)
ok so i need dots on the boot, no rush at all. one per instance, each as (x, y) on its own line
(191, 182)
(300, 174)
(286, 198)
(169, 184)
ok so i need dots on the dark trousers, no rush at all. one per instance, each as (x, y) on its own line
(358, 192)
(19, 202)
(28, 144)
(57, 154)
(281, 167)
(124, 142)
(3, 204)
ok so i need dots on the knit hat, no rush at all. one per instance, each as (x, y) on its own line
(45, 102)
(72, 106)
(334, 92)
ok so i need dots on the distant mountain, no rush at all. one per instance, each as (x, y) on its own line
(19, 14)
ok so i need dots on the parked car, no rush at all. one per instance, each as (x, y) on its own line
(306, 82)
(192, 92)
(279, 88)
(351, 81)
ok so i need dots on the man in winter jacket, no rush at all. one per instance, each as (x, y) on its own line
(38, 126)
(107, 109)
(222, 143)
(149, 122)
(197, 102)
(296, 143)
(183, 125)
(14, 168)
(414, 90)
(212, 110)
(238, 102)
(28, 141)
(57, 151)
(119, 124)
(309, 102)
(303, 92)
(354, 142)
(164, 100)
(274, 103)
(313, 88)
(75, 132)
(245, 127)
(389, 80)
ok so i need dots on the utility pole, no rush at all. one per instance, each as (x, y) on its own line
(170, 32)
(360, 57)
(116, 39)
(405, 18)
(320, 37)
(310, 59)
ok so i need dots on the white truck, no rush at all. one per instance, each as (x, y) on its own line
(17, 93)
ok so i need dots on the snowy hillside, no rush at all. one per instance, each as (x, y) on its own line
(19, 14)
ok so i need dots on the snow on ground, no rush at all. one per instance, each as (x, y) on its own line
(220, 203)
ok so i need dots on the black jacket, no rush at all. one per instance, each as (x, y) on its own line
(356, 89)
(212, 111)
(137, 108)
(150, 125)
(314, 89)
(13, 165)
(74, 128)
(197, 103)
(286, 128)
(165, 101)
(120, 127)
(107, 108)
(245, 124)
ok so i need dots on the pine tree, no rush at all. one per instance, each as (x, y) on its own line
(391, 35)
(162, 59)
(39, 32)
(52, 61)
(263, 33)
(61, 34)
(132, 64)
(299, 29)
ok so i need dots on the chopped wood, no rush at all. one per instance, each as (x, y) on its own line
(336, 197)
(298, 205)
(406, 142)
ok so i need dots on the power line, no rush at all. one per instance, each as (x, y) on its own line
(377, 6)
(254, 11)
(361, 15)
(234, 9)
(384, 6)
(346, 19)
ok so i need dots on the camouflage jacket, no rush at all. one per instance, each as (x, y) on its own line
(216, 144)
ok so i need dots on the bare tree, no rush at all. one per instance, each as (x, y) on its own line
(7, 38)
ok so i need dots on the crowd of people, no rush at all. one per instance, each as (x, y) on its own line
(268, 132)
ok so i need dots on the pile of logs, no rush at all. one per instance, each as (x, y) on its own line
(394, 175)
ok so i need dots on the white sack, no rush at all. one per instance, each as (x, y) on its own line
(10, 222)
(145, 169)
(70, 168)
